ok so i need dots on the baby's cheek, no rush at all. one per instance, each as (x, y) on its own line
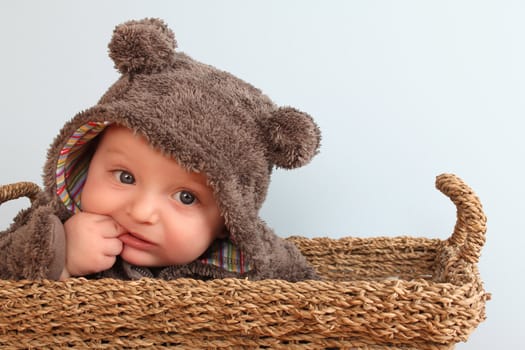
(185, 247)
(85, 202)
(96, 202)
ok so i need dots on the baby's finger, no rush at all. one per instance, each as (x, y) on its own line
(112, 229)
(103, 263)
(120, 229)
(112, 247)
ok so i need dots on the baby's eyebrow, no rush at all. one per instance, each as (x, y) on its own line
(192, 184)
(198, 186)
(115, 151)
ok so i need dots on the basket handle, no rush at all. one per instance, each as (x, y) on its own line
(17, 190)
(469, 232)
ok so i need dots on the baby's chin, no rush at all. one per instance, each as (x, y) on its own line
(140, 258)
(137, 257)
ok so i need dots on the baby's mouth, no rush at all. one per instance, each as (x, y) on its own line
(133, 240)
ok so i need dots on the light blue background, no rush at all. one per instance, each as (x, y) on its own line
(402, 90)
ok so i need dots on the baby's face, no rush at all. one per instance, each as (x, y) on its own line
(170, 214)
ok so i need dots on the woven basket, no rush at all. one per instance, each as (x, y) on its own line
(378, 293)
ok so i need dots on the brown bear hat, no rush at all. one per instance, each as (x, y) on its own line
(210, 122)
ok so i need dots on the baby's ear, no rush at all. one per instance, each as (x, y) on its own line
(293, 138)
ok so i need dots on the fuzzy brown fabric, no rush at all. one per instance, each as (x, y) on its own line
(34, 246)
(209, 121)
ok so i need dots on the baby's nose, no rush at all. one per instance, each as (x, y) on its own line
(143, 209)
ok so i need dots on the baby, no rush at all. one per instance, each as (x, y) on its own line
(164, 177)
(140, 205)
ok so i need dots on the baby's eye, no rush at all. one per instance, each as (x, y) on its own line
(185, 197)
(124, 177)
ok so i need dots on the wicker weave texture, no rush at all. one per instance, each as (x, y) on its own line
(377, 293)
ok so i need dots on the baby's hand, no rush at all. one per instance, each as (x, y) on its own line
(92, 243)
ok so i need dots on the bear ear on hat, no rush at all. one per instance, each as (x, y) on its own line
(293, 138)
(143, 46)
